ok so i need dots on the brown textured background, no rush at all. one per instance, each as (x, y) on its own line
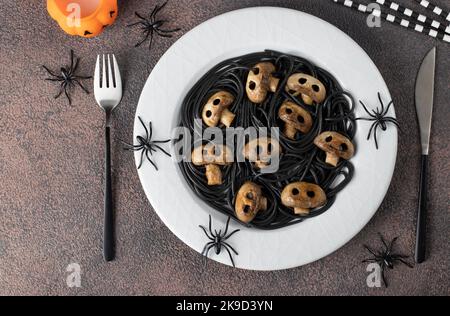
(51, 167)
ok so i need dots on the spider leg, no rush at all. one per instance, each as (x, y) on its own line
(393, 121)
(141, 140)
(206, 252)
(226, 227)
(145, 127)
(371, 130)
(396, 256)
(170, 30)
(53, 79)
(67, 94)
(150, 126)
(154, 12)
(391, 245)
(165, 152)
(382, 104)
(142, 159)
(151, 161)
(375, 134)
(210, 225)
(206, 248)
(134, 24)
(49, 71)
(364, 119)
(388, 107)
(151, 39)
(365, 108)
(229, 254)
(82, 77)
(159, 8)
(152, 150)
(161, 141)
(132, 147)
(71, 59)
(162, 34)
(369, 260)
(139, 16)
(73, 68)
(406, 263)
(383, 241)
(228, 245)
(81, 86)
(61, 89)
(370, 250)
(206, 232)
(143, 39)
(383, 276)
(231, 234)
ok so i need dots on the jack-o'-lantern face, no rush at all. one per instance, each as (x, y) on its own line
(86, 18)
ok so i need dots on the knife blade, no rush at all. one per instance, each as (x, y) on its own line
(425, 98)
(424, 108)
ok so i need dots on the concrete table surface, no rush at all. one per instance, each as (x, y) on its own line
(51, 167)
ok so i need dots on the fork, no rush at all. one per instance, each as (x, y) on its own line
(108, 94)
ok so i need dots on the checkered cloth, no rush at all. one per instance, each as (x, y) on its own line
(392, 18)
(432, 7)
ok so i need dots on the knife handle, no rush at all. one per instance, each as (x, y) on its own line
(422, 214)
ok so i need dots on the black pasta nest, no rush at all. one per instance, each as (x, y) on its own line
(300, 160)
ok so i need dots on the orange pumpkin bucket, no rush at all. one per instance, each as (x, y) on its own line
(86, 18)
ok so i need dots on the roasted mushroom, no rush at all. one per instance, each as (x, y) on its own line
(260, 81)
(249, 201)
(212, 156)
(296, 119)
(303, 196)
(261, 150)
(336, 146)
(311, 89)
(216, 109)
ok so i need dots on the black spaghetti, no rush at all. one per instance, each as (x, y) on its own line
(300, 160)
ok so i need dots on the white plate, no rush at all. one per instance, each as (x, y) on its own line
(238, 33)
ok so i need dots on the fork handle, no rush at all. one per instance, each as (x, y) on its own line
(108, 237)
(422, 214)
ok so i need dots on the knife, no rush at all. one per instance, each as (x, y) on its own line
(424, 108)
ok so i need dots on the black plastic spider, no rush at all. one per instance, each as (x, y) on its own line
(386, 258)
(147, 145)
(218, 240)
(67, 78)
(153, 25)
(379, 118)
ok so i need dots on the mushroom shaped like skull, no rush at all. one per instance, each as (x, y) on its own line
(261, 151)
(311, 89)
(249, 202)
(216, 109)
(336, 146)
(260, 81)
(212, 156)
(303, 196)
(295, 118)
